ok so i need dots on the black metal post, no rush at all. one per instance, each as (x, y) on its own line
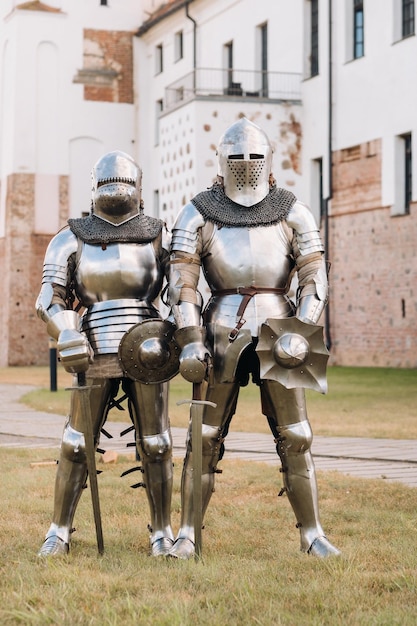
(53, 359)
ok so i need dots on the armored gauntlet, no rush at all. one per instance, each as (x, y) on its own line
(74, 349)
(194, 354)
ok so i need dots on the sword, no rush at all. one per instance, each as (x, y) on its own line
(196, 412)
(84, 394)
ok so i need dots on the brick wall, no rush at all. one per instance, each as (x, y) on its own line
(24, 337)
(373, 297)
(108, 66)
(4, 322)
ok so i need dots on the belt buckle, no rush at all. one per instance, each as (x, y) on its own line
(234, 333)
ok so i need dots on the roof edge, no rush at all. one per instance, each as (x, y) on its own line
(167, 9)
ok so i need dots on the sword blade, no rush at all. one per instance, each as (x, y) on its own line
(84, 397)
(197, 444)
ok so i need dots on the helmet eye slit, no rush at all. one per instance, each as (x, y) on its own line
(116, 179)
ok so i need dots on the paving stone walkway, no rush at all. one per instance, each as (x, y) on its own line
(393, 460)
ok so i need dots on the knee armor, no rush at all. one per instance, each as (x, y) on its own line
(73, 445)
(211, 440)
(158, 447)
(295, 438)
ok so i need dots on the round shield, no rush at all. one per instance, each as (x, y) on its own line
(148, 352)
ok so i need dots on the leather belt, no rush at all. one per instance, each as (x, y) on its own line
(247, 293)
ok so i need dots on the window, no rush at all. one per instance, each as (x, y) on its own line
(264, 58)
(228, 50)
(314, 52)
(156, 202)
(159, 59)
(159, 107)
(407, 172)
(403, 175)
(407, 17)
(358, 29)
(179, 45)
(230, 87)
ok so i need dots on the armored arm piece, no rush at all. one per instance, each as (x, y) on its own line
(51, 305)
(183, 294)
(310, 262)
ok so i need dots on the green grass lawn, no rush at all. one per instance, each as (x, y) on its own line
(251, 573)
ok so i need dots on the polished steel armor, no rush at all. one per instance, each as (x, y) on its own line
(245, 160)
(116, 188)
(112, 273)
(248, 261)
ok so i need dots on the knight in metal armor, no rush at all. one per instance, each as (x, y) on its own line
(250, 237)
(101, 277)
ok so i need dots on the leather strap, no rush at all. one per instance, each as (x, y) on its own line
(247, 293)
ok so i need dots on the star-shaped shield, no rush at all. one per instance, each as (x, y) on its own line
(293, 353)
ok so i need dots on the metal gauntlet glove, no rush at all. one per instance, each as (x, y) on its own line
(194, 354)
(74, 349)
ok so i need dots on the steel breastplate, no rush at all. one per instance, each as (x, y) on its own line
(117, 285)
(242, 257)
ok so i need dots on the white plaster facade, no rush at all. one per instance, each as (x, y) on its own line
(46, 126)
(373, 97)
(178, 153)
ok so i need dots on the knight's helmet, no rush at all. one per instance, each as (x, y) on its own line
(116, 187)
(245, 162)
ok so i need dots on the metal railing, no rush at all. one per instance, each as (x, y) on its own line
(206, 82)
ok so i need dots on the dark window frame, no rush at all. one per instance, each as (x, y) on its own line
(264, 58)
(408, 173)
(229, 62)
(314, 58)
(179, 45)
(358, 29)
(159, 60)
(407, 18)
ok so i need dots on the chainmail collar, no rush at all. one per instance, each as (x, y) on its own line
(215, 206)
(139, 229)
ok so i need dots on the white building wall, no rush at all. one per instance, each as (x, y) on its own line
(374, 97)
(180, 159)
(47, 127)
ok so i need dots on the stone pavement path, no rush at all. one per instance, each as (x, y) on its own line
(394, 460)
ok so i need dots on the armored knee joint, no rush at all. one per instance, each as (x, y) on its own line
(73, 445)
(156, 448)
(295, 438)
(211, 440)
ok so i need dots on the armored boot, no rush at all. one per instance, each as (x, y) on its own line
(184, 544)
(70, 480)
(293, 447)
(155, 452)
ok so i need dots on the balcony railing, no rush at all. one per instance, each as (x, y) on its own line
(204, 82)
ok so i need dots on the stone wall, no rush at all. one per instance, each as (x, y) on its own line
(107, 71)
(373, 278)
(24, 337)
